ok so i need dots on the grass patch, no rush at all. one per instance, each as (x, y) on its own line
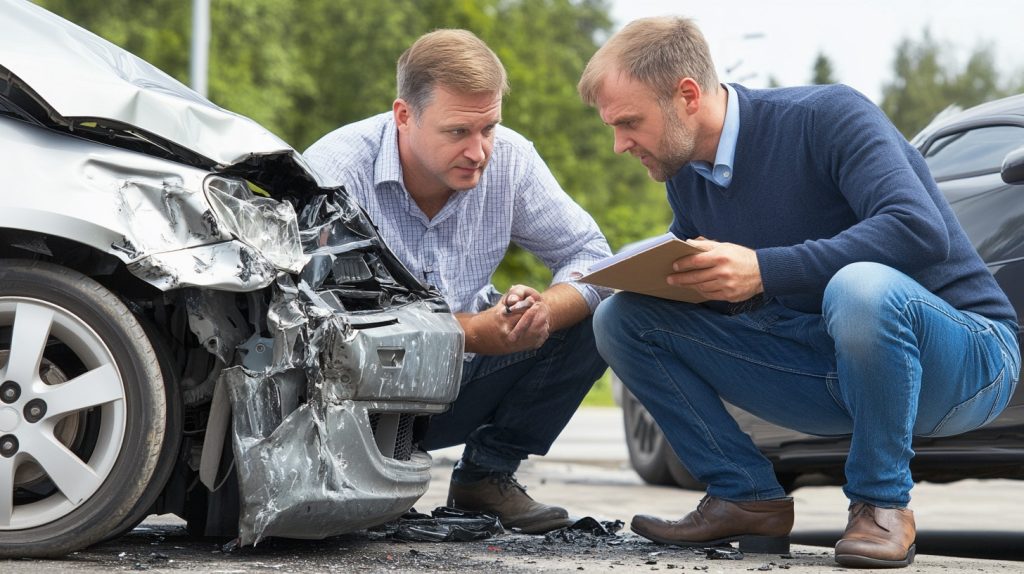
(600, 394)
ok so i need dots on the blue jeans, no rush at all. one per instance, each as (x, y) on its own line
(885, 361)
(512, 406)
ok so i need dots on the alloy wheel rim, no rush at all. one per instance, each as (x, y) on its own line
(68, 420)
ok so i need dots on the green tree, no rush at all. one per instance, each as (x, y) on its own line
(823, 73)
(927, 80)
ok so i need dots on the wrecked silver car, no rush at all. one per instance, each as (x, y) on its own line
(190, 321)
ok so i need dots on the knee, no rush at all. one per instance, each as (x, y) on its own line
(611, 323)
(861, 286)
(859, 298)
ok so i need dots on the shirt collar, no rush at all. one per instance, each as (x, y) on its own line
(722, 172)
(388, 167)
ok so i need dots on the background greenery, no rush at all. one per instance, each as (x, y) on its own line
(303, 68)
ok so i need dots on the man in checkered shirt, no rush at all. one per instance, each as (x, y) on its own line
(449, 189)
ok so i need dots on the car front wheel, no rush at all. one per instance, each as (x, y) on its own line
(82, 411)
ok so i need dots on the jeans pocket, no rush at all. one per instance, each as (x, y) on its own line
(980, 409)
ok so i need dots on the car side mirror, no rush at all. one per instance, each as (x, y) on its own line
(1013, 166)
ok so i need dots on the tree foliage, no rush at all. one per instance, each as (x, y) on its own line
(927, 79)
(303, 68)
(822, 73)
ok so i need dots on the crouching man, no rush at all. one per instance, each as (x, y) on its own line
(450, 188)
(845, 298)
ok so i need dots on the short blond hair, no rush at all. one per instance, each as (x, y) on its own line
(455, 59)
(657, 52)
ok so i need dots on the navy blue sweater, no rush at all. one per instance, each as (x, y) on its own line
(822, 179)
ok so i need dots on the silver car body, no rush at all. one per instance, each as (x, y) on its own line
(104, 150)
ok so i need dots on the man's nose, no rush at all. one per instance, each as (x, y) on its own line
(622, 143)
(476, 149)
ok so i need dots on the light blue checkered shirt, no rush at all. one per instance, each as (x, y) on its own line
(517, 200)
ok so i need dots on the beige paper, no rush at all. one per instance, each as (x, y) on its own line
(644, 268)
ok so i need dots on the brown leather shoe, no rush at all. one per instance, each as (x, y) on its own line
(760, 526)
(501, 495)
(877, 537)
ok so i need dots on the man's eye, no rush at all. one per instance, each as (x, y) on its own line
(458, 132)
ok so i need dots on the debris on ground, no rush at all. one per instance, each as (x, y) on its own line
(722, 553)
(585, 529)
(443, 524)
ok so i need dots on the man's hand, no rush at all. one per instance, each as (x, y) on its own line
(519, 322)
(725, 272)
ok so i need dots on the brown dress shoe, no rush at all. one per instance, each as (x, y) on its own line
(760, 526)
(501, 495)
(877, 538)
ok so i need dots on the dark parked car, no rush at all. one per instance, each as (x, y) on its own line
(191, 320)
(977, 158)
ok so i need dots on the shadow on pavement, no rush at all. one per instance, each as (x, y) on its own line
(987, 545)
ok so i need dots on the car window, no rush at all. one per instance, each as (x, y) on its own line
(972, 152)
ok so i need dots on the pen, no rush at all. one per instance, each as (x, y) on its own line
(524, 304)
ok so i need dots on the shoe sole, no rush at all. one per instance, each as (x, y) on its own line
(857, 561)
(749, 544)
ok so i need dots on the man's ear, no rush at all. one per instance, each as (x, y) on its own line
(688, 96)
(403, 114)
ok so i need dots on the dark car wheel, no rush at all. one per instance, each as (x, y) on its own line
(648, 449)
(681, 476)
(649, 453)
(82, 415)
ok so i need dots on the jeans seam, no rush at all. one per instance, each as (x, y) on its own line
(709, 436)
(986, 328)
(734, 354)
(936, 431)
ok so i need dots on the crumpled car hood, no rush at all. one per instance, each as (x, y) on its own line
(79, 77)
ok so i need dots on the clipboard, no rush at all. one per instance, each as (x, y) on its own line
(643, 267)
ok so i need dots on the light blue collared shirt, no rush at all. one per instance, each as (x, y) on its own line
(516, 201)
(721, 173)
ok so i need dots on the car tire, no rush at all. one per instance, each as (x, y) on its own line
(84, 454)
(680, 476)
(172, 435)
(647, 447)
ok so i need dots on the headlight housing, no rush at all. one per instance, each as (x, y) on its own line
(267, 225)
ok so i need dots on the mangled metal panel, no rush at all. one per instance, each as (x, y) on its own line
(151, 214)
(318, 473)
(309, 464)
(231, 266)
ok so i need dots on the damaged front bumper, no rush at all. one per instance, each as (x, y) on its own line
(320, 472)
(327, 446)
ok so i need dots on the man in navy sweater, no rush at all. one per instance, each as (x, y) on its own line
(844, 297)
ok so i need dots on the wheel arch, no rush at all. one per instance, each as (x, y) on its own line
(88, 259)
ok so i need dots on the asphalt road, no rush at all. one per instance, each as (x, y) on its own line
(588, 472)
(971, 526)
